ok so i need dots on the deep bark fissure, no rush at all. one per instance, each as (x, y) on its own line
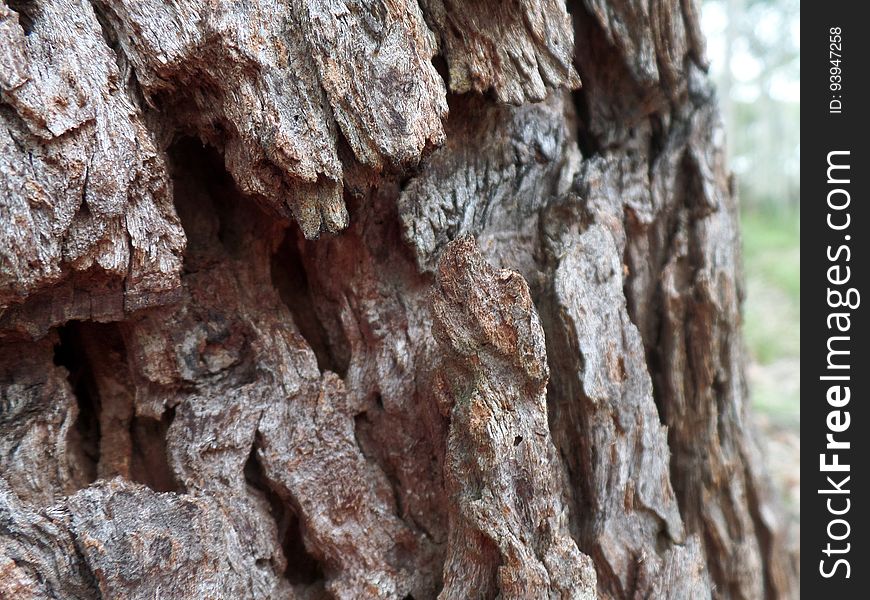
(27, 11)
(291, 280)
(362, 426)
(586, 140)
(85, 436)
(109, 36)
(300, 568)
(149, 463)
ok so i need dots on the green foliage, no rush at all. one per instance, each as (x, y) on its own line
(771, 255)
(771, 245)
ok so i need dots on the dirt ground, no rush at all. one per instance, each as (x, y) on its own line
(780, 438)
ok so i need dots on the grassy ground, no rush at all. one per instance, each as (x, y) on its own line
(771, 255)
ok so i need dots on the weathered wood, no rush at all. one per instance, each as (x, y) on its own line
(84, 189)
(501, 471)
(305, 299)
(516, 49)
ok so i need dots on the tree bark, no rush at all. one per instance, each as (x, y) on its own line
(334, 298)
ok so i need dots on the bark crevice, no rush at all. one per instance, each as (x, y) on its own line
(84, 437)
(300, 568)
(291, 280)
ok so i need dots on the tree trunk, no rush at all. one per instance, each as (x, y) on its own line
(337, 298)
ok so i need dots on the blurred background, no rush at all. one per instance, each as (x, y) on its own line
(754, 52)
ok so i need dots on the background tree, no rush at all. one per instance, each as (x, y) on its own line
(754, 50)
(351, 299)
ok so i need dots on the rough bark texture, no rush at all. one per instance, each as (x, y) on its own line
(318, 298)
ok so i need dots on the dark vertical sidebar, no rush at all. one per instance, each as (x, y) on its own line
(835, 421)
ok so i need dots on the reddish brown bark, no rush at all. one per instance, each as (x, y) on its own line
(344, 299)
